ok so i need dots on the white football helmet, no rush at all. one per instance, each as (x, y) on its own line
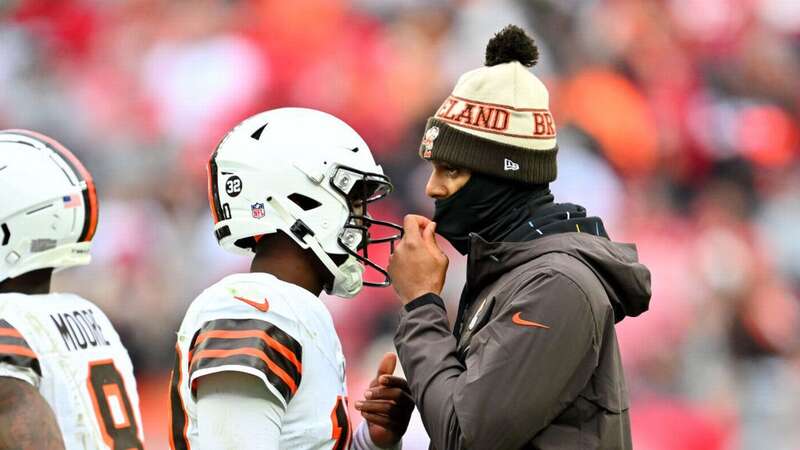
(48, 211)
(308, 174)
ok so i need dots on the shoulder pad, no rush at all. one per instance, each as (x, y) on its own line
(246, 297)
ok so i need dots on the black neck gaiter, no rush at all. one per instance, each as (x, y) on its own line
(489, 206)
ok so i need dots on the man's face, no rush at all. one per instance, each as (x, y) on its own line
(445, 180)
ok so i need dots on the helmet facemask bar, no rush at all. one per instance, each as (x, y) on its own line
(359, 190)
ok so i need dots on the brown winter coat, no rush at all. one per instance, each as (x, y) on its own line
(537, 365)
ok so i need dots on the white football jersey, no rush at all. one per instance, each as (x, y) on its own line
(67, 348)
(257, 324)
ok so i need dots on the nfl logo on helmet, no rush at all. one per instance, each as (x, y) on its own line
(258, 210)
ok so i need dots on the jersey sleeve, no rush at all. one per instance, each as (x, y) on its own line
(250, 345)
(237, 412)
(17, 358)
(249, 325)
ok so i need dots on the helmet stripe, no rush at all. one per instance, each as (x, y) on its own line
(89, 226)
(213, 195)
(89, 193)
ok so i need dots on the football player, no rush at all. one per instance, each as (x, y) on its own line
(258, 361)
(66, 381)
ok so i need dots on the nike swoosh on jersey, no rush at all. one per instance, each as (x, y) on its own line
(517, 319)
(263, 307)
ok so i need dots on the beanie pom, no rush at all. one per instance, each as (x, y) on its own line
(511, 44)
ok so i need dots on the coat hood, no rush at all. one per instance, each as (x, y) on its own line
(625, 280)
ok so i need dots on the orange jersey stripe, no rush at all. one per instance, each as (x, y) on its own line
(239, 334)
(10, 332)
(252, 352)
(17, 350)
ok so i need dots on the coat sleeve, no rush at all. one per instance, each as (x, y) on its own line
(517, 376)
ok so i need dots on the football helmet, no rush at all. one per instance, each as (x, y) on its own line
(308, 174)
(48, 212)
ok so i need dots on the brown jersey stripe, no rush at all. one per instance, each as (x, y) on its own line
(271, 335)
(253, 343)
(287, 365)
(247, 357)
(15, 350)
(178, 419)
(20, 357)
(273, 367)
(10, 336)
(255, 324)
(342, 433)
(13, 340)
(269, 340)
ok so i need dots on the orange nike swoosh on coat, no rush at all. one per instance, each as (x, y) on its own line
(263, 307)
(517, 319)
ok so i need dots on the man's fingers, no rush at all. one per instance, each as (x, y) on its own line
(397, 397)
(427, 232)
(429, 237)
(377, 419)
(376, 407)
(388, 364)
(413, 226)
(393, 381)
(422, 221)
(394, 395)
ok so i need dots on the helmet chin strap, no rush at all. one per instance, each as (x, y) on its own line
(347, 278)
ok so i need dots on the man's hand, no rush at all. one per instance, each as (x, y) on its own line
(417, 266)
(388, 405)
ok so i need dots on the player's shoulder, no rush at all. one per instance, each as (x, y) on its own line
(15, 309)
(12, 302)
(72, 316)
(16, 301)
(241, 298)
(247, 323)
(18, 359)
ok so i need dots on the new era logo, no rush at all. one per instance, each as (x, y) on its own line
(510, 165)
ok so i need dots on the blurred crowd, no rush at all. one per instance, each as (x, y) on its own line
(679, 125)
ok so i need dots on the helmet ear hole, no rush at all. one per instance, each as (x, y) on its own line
(305, 203)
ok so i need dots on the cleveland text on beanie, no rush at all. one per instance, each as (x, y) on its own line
(497, 120)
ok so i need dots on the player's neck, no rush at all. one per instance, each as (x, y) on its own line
(282, 258)
(35, 282)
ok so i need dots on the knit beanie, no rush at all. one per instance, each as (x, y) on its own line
(497, 120)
